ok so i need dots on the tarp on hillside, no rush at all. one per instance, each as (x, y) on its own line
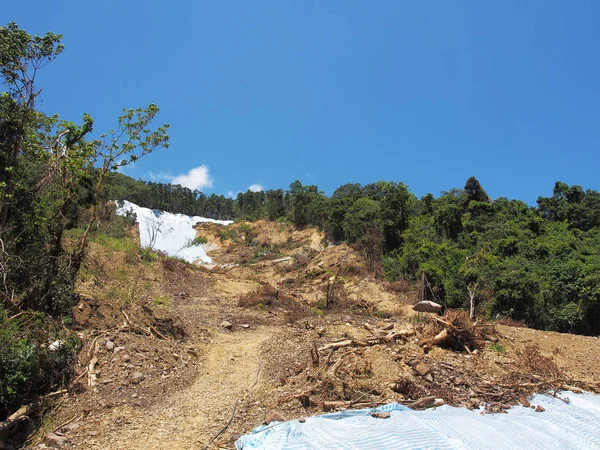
(170, 233)
(573, 425)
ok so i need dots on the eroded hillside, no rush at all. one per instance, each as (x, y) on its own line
(183, 356)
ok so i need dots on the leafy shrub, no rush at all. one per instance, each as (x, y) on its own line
(567, 318)
(249, 234)
(229, 233)
(392, 268)
(199, 240)
(28, 365)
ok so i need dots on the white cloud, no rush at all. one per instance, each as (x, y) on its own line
(256, 188)
(160, 176)
(197, 178)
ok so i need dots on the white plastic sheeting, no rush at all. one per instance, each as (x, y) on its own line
(169, 233)
(573, 425)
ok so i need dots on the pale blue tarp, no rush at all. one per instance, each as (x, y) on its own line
(574, 425)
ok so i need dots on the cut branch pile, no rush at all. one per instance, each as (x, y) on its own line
(344, 381)
(340, 375)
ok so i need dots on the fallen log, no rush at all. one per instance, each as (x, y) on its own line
(426, 402)
(92, 377)
(333, 405)
(332, 371)
(372, 329)
(395, 335)
(390, 337)
(25, 412)
(339, 344)
(441, 338)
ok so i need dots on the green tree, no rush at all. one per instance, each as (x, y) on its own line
(475, 192)
(363, 226)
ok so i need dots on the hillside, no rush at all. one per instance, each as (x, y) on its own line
(173, 351)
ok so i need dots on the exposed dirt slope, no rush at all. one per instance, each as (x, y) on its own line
(198, 341)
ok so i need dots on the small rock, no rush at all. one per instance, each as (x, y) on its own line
(110, 346)
(54, 441)
(245, 325)
(540, 408)
(429, 377)
(302, 419)
(137, 377)
(55, 345)
(422, 369)
(525, 403)
(381, 415)
(227, 325)
(274, 416)
(70, 427)
(193, 353)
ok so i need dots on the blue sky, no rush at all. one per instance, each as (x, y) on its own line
(330, 92)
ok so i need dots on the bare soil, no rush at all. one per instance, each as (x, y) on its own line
(193, 362)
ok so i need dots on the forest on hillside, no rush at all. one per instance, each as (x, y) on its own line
(539, 265)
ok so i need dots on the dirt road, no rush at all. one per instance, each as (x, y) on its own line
(190, 418)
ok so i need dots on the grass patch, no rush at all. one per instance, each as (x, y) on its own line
(200, 240)
(148, 255)
(125, 245)
(498, 348)
(417, 318)
(161, 300)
